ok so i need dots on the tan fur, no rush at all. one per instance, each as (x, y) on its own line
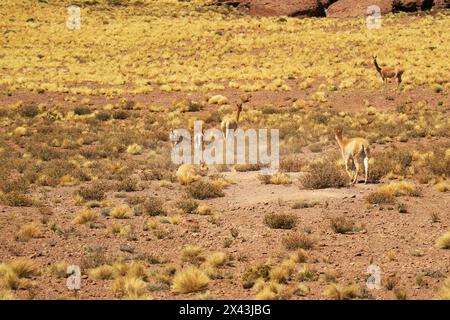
(353, 150)
(388, 72)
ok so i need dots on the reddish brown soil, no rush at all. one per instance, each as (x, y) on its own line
(410, 235)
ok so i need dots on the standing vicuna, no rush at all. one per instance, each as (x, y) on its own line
(229, 124)
(388, 72)
(352, 150)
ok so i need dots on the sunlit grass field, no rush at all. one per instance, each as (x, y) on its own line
(86, 176)
(186, 46)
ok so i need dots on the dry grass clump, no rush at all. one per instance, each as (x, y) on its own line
(302, 204)
(251, 275)
(444, 241)
(84, 216)
(277, 179)
(401, 188)
(442, 187)
(103, 272)
(323, 174)
(130, 288)
(134, 149)
(190, 279)
(218, 99)
(247, 167)
(204, 190)
(6, 295)
(217, 259)
(193, 254)
(273, 291)
(94, 191)
(444, 290)
(120, 213)
(307, 273)
(386, 194)
(280, 220)
(15, 275)
(377, 197)
(28, 110)
(336, 292)
(128, 184)
(204, 209)
(129, 279)
(283, 272)
(188, 173)
(16, 199)
(153, 206)
(58, 269)
(292, 164)
(343, 225)
(188, 205)
(297, 241)
(29, 231)
(396, 161)
(299, 256)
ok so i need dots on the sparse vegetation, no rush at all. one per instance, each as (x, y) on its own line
(280, 221)
(88, 171)
(204, 190)
(297, 241)
(444, 241)
(189, 280)
(323, 174)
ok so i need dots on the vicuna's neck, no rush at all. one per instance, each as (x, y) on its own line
(238, 114)
(341, 141)
(376, 65)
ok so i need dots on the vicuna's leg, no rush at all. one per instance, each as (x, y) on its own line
(228, 133)
(355, 179)
(348, 171)
(366, 168)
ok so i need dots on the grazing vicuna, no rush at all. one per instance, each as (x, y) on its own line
(229, 124)
(388, 72)
(175, 138)
(352, 150)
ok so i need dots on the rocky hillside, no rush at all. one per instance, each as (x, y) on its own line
(329, 8)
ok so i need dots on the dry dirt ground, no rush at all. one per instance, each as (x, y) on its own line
(402, 244)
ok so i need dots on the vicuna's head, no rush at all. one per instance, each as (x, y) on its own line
(175, 138)
(338, 134)
(203, 165)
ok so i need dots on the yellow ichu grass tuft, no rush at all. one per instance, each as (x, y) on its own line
(187, 174)
(29, 231)
(58, 269)
(189, 280)
(84, 216)
(204, 209)
(217, 259)
(336, 292)
(192, 254)
(401, 188)
(130, 288)
(442, 187)
(134, 149)
(120, 213)
(444, 241)
(444, 290)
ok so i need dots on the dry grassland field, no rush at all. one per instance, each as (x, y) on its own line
(89, 193)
